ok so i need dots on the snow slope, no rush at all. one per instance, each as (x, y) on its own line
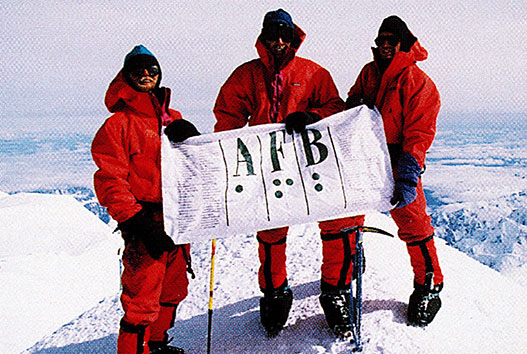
(57, 260)
(483, 312)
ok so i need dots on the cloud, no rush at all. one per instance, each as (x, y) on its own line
(59, 57)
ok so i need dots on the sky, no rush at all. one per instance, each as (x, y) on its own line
(58, 57)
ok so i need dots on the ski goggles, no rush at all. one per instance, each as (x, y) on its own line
(392, 40)
(275, 31)
(153, 70)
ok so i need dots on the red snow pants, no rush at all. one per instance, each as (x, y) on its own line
(337, 252)
(417, 231)
(152, 289)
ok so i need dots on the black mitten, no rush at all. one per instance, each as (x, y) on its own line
(297, 121)
(157, 242)
(142, 227)
(355, 100)
(179, 130)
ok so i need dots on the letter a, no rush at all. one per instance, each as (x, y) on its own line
(247, 158)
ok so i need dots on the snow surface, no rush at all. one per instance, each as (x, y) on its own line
(483, 311)
(59, 264)
(57, 260)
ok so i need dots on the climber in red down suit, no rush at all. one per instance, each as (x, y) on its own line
(280, 87)
(127, 152)
(409, 103)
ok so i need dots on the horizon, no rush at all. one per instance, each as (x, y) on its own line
(67, 124)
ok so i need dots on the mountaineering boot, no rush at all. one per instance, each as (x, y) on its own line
(162, 347)
(424, 304)
(274, 309)
(336, 305)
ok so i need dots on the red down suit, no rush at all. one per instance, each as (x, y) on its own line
(127, 152)
(409, 103)
(257, 93)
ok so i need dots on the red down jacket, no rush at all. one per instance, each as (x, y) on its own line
(407, 99)
(299, 85)
(127, 148)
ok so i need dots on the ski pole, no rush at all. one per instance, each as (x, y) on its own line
(211, 293)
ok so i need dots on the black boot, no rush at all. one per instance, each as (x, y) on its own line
(424, 304)
(162, 347)
(274, 309)
(336, 305)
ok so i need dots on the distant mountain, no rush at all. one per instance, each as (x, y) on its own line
(84, 195)
(494, 233)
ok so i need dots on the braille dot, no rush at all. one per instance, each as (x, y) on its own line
(239, 188)
(277, 182)
(316, 176)
(278, 194)
(289, 182)
(318, 187)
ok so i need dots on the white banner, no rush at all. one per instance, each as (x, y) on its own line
(260, 177)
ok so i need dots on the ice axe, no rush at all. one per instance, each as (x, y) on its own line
(356, 301)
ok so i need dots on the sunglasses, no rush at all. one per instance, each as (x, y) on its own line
(153, 70)
(392, 40)
(278, 30)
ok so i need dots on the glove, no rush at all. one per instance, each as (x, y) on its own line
(142, 227)
(297, 121)
(408, 172)
(179, 130)
(355, 100)
(403, 194)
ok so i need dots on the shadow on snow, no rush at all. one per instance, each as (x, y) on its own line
(236, 328)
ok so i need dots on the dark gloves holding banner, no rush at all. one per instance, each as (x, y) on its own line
(297, 121)
(408, 172)
(355, 100)
(142, 227)
(179, 130)
(403, 194)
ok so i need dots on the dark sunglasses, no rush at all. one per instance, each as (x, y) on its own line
(153, 70)
(278, 30)
(392, 40)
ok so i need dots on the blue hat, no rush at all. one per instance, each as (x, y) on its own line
(138, 49)
(278, 16)
(140, 57)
